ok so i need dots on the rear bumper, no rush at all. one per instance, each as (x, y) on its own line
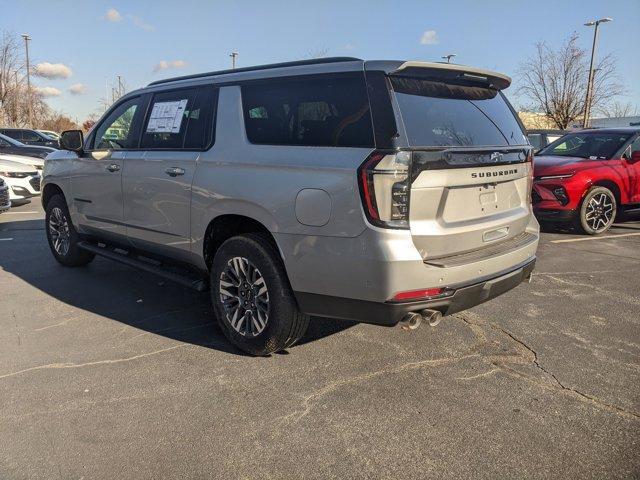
(389, 314)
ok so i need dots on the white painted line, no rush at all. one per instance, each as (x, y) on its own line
(5, 239)
(596, 238)
(19, 213)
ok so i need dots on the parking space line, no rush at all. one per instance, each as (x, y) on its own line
(21, 213)
(596, 238)
(5, 239)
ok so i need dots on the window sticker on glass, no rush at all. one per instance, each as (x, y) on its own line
(166, 117)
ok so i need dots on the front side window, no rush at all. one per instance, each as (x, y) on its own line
(29, 136)
(328, 111)
(121, 129)
(594, 146)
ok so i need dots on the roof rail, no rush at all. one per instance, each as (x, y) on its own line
(315, 61)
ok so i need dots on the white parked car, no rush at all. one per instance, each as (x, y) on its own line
(23, 180)
(37, 163)
(5, 203)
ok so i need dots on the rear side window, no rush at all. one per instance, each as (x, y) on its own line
(331, 110)
(442, 114)
(179, 119)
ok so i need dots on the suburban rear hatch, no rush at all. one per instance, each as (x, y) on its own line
(470, 162)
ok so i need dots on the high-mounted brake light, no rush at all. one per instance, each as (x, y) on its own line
(384, 188)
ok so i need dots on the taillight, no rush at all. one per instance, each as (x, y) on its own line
(384, 187)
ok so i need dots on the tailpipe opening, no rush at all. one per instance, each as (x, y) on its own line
(431, 316)
(411, 321)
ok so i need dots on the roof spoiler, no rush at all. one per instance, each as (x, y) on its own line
(453, 72)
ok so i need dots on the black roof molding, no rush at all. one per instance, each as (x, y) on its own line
(315, 61)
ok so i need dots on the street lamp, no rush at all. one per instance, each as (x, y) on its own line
(26, 46)
(589, 99)
(233, 56)
(449, 56)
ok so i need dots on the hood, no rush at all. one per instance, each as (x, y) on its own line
(9, 166)
(24, 160)
(547, 164)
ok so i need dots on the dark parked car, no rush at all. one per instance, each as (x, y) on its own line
(541, 138)
(30, 137)
(10, 146)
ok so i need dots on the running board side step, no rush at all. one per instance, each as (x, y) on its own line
(193, 282)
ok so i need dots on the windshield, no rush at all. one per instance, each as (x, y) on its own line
(591, 145)
(443, 114)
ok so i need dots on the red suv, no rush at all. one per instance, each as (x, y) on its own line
(587, 177)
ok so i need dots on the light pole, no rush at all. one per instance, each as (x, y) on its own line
(589, 98)
(26, 47)
(449, 56)
(233, 56)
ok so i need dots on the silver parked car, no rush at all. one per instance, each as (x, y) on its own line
(378, 191)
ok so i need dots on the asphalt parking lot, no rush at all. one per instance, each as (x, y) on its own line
(107, 372)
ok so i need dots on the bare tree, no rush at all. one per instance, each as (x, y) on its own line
(619, 109)
(555, 81)
(15, 102)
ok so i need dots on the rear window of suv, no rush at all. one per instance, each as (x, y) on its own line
(332, 110)
(442, 114)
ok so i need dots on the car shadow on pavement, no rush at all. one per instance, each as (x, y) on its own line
(145, 302)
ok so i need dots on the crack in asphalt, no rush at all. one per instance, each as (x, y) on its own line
(89, 364)
(309, 401)
(536, 362)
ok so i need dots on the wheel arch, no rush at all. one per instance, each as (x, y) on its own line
(611, 185)
(225, 226)
(49, 190)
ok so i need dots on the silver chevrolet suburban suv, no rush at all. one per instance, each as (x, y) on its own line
(384, 192)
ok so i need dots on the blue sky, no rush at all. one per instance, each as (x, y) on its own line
(98, 39)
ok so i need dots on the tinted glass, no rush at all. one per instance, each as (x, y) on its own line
(167, 120)
(121, 129)
(535, 139)
(30, 136)
(15, 134)
(201, 119)
(328, 111)
(595, 146)
(442, 114)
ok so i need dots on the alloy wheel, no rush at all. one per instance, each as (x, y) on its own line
(59, 230)
(244, 296)
(599, 212)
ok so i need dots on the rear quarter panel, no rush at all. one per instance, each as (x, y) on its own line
(262, 182)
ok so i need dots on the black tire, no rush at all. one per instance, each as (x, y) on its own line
(284, 324)
(71, 256)
(597, 211)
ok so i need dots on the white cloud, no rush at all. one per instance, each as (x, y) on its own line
(163, 65)
(52, 70)
(113, 15)
(430, 37)
(47, 91)
(138, 22)
(349, 46)
(78, 89)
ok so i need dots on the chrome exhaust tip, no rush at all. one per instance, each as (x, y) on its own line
(411, 321)
(432, 316)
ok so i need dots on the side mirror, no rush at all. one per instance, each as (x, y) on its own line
(72, 140)
(635, 156)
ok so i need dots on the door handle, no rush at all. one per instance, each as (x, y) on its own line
(174, 171)
(114, 167)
